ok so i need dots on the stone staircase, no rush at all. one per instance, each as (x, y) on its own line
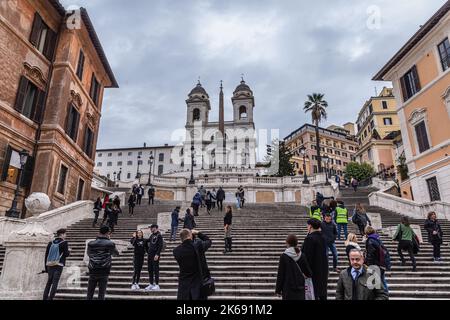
(259, 231)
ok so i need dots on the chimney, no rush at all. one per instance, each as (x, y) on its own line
(166, 144)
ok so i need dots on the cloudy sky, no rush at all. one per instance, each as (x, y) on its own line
(285, 49)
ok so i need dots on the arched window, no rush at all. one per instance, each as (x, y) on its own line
(242, 112)
(196, 115)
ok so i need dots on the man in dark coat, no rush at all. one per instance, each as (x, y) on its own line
(190, 255)
(315, 250)
(151, 195)
(220, 197)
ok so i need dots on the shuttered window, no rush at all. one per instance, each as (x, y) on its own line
(95, 89)
(422, 137)
(42, 37)
(433, 189)
(88, 142)
(410, 83)
(62, 179)
(80, 190)
(30, 100)
(72, 123)
(444, 54)
(11, 168)
(80, 66)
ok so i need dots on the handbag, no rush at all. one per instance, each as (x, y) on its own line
(208, 287)
(309, 287)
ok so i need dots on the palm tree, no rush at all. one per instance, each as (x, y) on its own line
(317, 106)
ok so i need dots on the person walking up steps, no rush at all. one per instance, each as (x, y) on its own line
(131, 203)
(405, 237)
(227, 221)
(314, 211)
(140, 193)
(154, 247)
(377, 254)
(329, 233)
(151, 195)
(196, 203)
(292, 269)
(238, 199)
(138, 243)
(360, 218)
(189, 220)
(435, 235)
(354, 183)
(351, 243)
(220, 198)
(174, 223)
(97, 208)
(100, 252)
(341, 219)
(55, 260)
(315, 250)
(213, 198)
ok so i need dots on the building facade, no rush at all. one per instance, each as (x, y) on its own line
(420, 74)
(339, 145)
(377, 119)
(52, 79)
(125, 164)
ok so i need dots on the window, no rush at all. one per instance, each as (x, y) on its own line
(344, 154)
(410, 83)
(196, 115)
(129, 163)
(128, 175)
(160, 170)
(95, 90)
(372, 124)
(444, 54)
(140, 162)
(387, 121)
(370, 109)
(369, 154)
(108, 175)
(99, 164)
(80, 190)
(385, 105)
(119, 154)
(140, 153)
(100, 155)
(29, 100)
(351, 148)
(315, 170)
(338, 153)
(338, 162)
(433, 189)
(242, 113)
(119, 163)
(130, 153)
(42, 37)
(330, 151)
(110, 154)
(88, 141)
(80, 67)
(109, 164)
(422, 137)
(62, 179)
(161, 157)
(72, 122)
(11, 167)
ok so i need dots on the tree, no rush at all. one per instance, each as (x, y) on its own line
(317, 106)
(359, 171)
(279, 158)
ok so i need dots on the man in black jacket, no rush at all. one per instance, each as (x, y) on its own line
(151, 195)
(100, 252)
(154, 246)
(315, 250)
(191, 259)
(59, 249)
(220, 197)
(329, 232)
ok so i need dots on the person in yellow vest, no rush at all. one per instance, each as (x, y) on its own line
(315, 211)
(341, 219)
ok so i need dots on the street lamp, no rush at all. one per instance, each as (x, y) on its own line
(305, 177)
(326, 159)
(114, 178)
(192, 181)
(137, 172)
(119, 174)
(14, 212)
(150, 171)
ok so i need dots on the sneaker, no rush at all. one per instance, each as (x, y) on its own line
(135, 287)
(156, 288)
(149, 288)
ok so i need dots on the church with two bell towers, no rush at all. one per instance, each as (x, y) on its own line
(222, 145)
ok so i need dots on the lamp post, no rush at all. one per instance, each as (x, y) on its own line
(150, 171)
(137, 172)
(114, 178)
(192, 180)
(14, 212)
(305, 177)
(326, 159)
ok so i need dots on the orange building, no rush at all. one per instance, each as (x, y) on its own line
(420, 74)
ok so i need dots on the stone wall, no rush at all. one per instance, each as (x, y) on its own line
(265, 197)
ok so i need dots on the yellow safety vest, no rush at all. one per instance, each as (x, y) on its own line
(317, 214)
(341, 215)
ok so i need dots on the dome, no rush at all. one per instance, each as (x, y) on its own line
(199, 90)
(243, 87)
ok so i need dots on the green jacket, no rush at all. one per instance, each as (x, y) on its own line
(407, 232)
(344, 289)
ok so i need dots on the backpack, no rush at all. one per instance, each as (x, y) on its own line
(54, 257)
(384, 256)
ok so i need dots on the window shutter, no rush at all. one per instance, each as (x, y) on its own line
(36, 30)
(80, 67)
(50, 43)
(416, 78)
(91, 93)
(21, 92)
(27, 174)
(67, 121)
(404, 92)
(39, 107)
(77, 124)
(6, 163)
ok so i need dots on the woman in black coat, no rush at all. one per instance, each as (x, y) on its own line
(435, 235)
(189, 221)
(292, 269)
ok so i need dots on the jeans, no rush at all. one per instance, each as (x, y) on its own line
(101, 280)
(153, 269)
(139, 198)
(238, 203)
(407, 246)
(173, 233)
(220, 205)
(332, 247)
(436, 249)
(138, 262)
(151, 200)
(96, 213)
(131, 210)
(344, 226)
(54, 274)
